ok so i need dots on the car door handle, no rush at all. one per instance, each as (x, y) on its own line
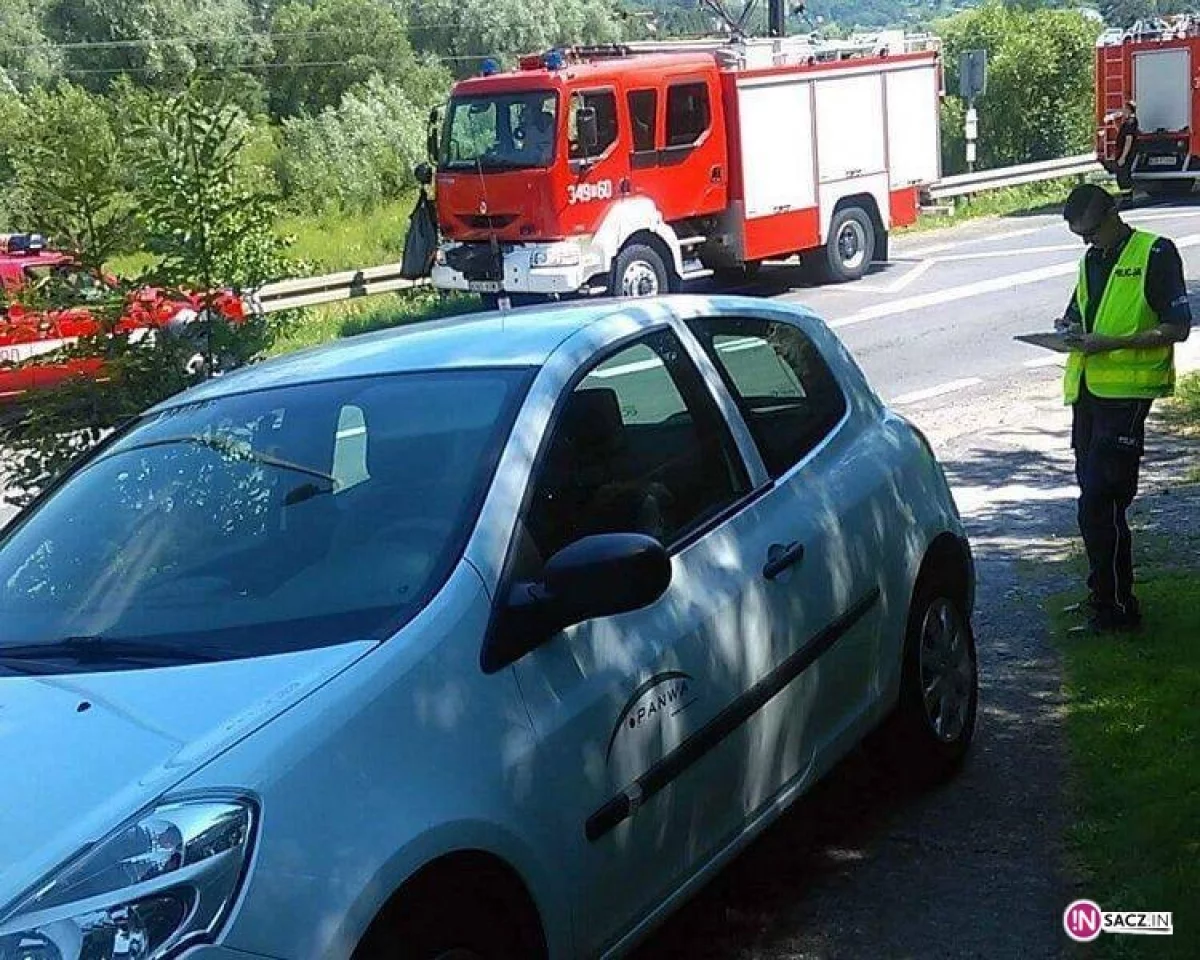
(780, 558)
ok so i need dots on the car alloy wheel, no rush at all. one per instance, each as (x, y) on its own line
(946, 670)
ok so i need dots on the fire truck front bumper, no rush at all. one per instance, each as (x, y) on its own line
(535, 268)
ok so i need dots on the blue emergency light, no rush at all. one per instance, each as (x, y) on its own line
(22, 243)
(555, 60)
(490, 67)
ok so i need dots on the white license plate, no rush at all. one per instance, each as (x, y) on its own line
(1162, 161)
(483, 286)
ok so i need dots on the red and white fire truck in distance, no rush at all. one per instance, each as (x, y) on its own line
(1156, 64)
(31, 343)
(632, 169)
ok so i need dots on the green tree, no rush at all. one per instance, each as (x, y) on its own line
(211, 232)
(468, 30)
(1038, 104)
(69, 173)
(356, 156)
(160, 43)
(328, 47)
(26, 59)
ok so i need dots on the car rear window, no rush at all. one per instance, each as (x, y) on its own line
(787, 392)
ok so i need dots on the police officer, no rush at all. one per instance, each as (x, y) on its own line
(1129, 309)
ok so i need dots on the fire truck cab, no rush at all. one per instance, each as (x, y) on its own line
(631, 169)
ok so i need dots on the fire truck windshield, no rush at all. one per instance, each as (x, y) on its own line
(504, 131)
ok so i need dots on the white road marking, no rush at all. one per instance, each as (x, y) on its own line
(922, 267)
(958, 244)
(1075, 247)
(939, 391)
(967, 290)
(1136, 217)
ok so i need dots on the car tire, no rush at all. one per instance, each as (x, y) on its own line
(927, 736)
(464, 916)
(639, 271)
(850, 248)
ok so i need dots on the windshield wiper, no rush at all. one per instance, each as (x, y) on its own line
(234, 448)
(94, 650)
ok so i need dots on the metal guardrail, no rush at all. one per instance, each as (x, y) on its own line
(312, 291)
(966, 183)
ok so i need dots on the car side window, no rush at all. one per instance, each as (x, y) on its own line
(639, 446)
(788, 394)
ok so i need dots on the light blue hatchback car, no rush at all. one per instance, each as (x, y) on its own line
(492, 637)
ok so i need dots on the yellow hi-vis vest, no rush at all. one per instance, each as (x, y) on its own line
(1123, 310)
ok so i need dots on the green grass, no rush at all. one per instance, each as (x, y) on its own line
(316, 325)
(1133, 725)
(340, 241)
(1046, 196)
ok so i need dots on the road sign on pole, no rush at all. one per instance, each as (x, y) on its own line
(972, 74)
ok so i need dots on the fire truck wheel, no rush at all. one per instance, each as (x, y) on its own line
(851, 245)
(640, 272)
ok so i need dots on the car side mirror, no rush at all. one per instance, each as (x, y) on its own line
(598, 576)
(588, 129)
(423, 173)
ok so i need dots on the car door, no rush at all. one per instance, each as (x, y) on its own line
(642, 735)
(819, 506)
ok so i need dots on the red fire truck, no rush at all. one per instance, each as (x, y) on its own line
(1156, 64)
(31, 342)
(631, 169)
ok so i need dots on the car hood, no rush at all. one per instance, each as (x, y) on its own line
(83, 752)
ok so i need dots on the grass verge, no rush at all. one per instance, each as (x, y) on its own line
(339, 241)
(1134, 733)
(316, 325)
(1046, 196)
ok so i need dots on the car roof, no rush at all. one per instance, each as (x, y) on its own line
(520, 338)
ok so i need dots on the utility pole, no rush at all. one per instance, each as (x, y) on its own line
(777, 18)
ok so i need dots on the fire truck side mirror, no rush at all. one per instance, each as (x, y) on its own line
(588, 130)
(423, 173)
(431, 134)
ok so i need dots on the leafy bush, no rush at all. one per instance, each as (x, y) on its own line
(355, 156)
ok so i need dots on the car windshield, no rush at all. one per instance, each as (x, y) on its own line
(510, 131)
(259, 523)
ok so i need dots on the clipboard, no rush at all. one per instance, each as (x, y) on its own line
(1058, 342)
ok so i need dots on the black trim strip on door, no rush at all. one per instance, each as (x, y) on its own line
(621, 807)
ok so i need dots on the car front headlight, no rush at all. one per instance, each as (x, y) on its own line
(156, 885)
(556, 255)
